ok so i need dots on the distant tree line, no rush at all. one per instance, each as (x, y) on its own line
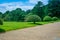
(52, 9)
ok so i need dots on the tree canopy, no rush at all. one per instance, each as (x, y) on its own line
(52, 9)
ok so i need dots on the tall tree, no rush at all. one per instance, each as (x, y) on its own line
(17, 15)
(6, 16)
(1, 14)
(28, 11)
(54, 8)
(38, 9)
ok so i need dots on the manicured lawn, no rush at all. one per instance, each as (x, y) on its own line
(8, 26)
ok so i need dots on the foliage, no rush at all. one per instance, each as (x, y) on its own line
(54, 18)
(33, 18)
(1, 14)
(39, 10)
(47, 18)
(2, 30)
(51, 9)
(54, 8)
(28, 11)
(28, 15)
(14, 15)
(1, 22)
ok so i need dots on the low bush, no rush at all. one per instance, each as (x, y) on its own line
(54, 18)
(2, 30)
(47, 18)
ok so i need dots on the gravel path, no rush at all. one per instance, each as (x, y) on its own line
(44, 32)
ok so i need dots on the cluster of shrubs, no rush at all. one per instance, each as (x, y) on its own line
(36, 18)
(48, 18)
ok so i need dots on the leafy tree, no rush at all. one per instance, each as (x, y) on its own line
(33, 18)
(54, 8)
(1, 14)
(45, 9)
(39, 10)
(17, 15)
(1, 22)
(51, 9)
(22, 16)
(28, 14)
(6, 16)
(28, 11)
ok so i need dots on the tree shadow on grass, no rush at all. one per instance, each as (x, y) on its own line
(37, 23)
(2, 30)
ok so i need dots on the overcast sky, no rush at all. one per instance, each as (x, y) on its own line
(13, 4)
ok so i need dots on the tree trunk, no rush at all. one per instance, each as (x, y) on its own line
(34, 22)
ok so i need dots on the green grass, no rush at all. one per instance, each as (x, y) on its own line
(8, 26)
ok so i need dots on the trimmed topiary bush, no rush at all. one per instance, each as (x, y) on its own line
(54, 18)
(2, 30)
(1, 22)
(33, 18)
(47, 18)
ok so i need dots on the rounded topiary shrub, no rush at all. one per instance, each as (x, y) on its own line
(1, 22)
(54, 18)
(47, 18)
(2, 30)
(33, 18)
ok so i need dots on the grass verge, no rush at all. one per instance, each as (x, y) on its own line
(8, 26)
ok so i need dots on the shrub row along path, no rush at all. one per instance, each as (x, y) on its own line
(43, 32)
